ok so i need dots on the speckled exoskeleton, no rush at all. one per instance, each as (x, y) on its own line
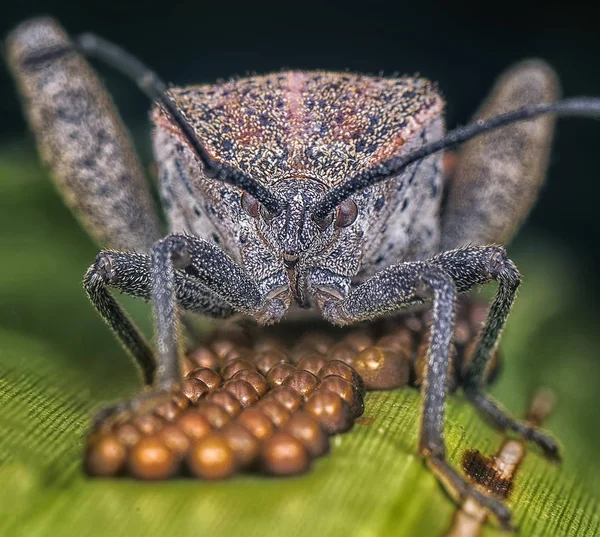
(297, 193)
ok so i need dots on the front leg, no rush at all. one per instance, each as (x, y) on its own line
(442, 277)
(182, 271)
(211, 267)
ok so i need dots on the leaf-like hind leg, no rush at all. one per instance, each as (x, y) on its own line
(81, 137)
(498, 175)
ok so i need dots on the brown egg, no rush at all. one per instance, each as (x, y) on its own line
(462, 332)
(211, 458)
(286, 396)
(147, 423)
(316, 341)
(225, 400)
(204, 357)
(346, 391)
(332, 412)
(400, 340)
(358, 340)
(340, 369)
(217, 416)
(245, 446)
(175, 439)
(277, 375)
(283, 454)
(312, 363)
(222, 346)
(242, 391)
(193, 424)
(180, 399)
(210, 377)
(303, 382)
(383, 368)
(236, 366)
(267, 344)
(256, 422)
(275, 411)
(300, 351)
(105, 456)
(237, 354)
(127, 433)
(267, 359)
(167, 410)
(150, 458)
(257, 380)
(414, 323)
(308, 430)
(343, 352)
(193, 389)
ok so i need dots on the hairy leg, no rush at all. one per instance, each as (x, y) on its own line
(130, 273)
(464, 270)
(451, 272)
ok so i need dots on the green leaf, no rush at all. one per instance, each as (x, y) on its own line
(58, 362)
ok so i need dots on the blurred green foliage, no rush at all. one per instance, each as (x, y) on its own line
(58, 362)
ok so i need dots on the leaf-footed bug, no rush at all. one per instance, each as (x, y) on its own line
(297, 191)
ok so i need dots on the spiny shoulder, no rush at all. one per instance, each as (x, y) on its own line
(318, 123)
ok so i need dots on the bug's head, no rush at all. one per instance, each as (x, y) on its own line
(294, 233)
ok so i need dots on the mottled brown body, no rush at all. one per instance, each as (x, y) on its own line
(320, 125)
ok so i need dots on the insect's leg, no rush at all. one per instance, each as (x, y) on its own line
(81, 137)
(476, 265)
(211, 267)
(130, 273)
(498, 175)
(394, 288)
(444, 275)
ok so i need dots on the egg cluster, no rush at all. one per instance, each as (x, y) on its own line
(252, 401)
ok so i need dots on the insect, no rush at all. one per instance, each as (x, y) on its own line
(293, 194)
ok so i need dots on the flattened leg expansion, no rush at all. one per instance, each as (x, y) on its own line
(499, 174)
(81, 138)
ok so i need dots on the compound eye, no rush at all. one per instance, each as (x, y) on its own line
(346, 213)
(324, 222)
(250, 205)
(266, 214)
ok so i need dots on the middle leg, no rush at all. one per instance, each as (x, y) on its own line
(488, 262)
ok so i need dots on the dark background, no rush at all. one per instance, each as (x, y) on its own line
(462, 47)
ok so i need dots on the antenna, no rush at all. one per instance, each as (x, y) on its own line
(150, 83)
(576, 106)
